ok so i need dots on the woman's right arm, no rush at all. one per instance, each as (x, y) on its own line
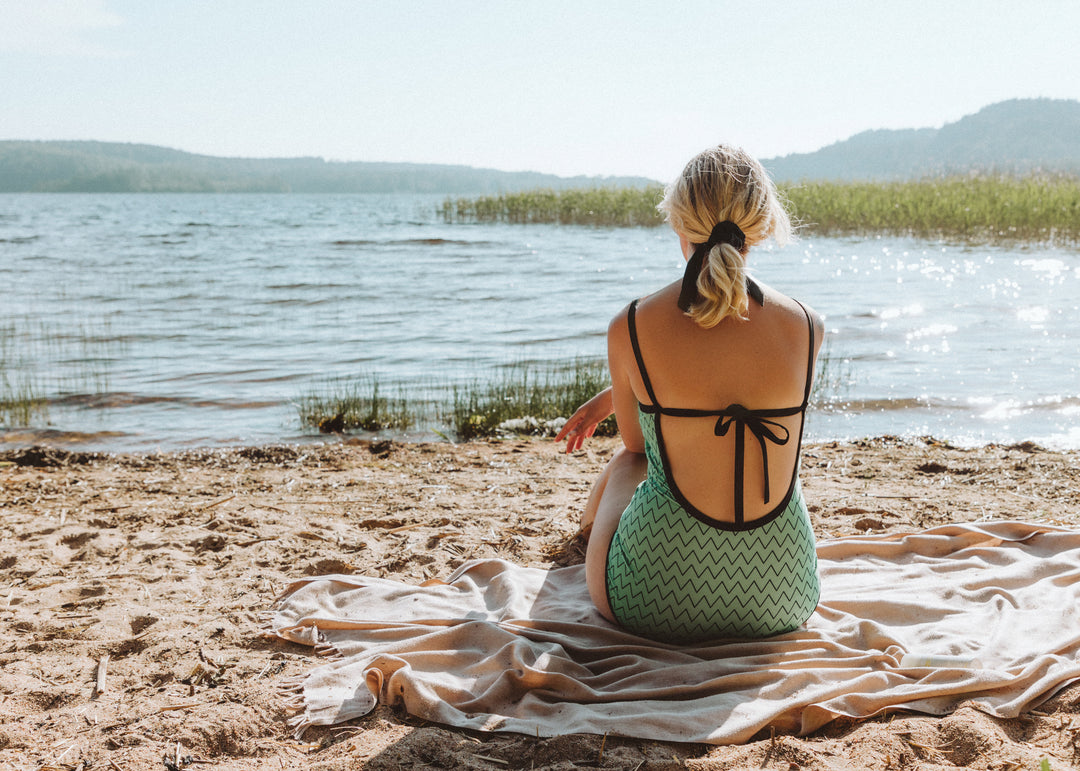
(623, 363)
(582, 424)
(618, 398)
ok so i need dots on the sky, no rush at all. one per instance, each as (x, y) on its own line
(564, 87)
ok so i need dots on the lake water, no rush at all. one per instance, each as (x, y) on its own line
(169, 321)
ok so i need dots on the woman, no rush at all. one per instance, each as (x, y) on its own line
(698, 525)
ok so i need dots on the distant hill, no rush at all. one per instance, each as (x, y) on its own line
(1016, 136)
(111, 167)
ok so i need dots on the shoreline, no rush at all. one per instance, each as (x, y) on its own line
(89, 445)
(133, 585)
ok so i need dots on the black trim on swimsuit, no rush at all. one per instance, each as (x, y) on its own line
(734, 415)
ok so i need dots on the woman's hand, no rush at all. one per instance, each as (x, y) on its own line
(582, 424)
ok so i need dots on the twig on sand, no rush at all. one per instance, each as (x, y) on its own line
(102, 670)
(212, 504)
(171, 707)
(323, 503)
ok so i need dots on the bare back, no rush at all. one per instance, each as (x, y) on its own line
(756, 372)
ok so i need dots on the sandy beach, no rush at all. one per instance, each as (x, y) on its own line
(131, 588)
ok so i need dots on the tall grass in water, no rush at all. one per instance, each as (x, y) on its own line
(982, 208)
(605, 206)
(523, 398)
(833, 376)
(41, 364)
(21, 399)
(1037, 207)
(526, 392)
(343, 404)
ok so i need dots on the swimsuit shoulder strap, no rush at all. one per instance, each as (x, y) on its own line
(632, 324)
(809, 358)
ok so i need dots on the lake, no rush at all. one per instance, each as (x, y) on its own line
(172, 321)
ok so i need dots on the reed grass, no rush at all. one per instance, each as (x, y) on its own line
(20, 401)
(522, 398)
(1034, 207)
(601, 206)
(41, 362)
(834, 376)
(528, 393)
(20, 396)
(341, 404)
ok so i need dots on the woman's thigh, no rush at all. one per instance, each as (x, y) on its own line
(609, 499)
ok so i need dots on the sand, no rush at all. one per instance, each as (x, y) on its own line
(131, 587)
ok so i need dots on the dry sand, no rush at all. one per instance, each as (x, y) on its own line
(131, 587)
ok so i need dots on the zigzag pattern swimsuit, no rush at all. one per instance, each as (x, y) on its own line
(676, 575)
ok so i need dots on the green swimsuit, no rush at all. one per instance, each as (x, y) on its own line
(676, 575)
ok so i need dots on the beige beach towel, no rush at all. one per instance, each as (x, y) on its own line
(507, 648)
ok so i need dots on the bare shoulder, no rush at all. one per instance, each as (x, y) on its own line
(649, 305)
(796, 310)
(619, 346)
(790, 305)
(619, 326)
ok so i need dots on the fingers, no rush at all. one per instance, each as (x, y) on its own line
(569, 429)
(575, 434)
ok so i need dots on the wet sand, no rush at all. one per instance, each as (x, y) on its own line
(131, 587)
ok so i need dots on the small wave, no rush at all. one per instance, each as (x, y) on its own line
(296, 303)
(30, 437)
(408, 242)
(303, 285)
(118, 400)
(19, 240)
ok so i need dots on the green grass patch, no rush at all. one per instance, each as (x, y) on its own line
(522, 399)
(41, 362)
(531, 395)
(20, 401)
(602, 206)
(976, 208)
(984, 208)
(341, 404)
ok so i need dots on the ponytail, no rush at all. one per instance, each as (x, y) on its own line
(722, 287)
(723, 203)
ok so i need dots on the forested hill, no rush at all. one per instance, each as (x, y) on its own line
(97, 167)
(1017, 136)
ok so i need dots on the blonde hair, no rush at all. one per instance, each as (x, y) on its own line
(724, 183)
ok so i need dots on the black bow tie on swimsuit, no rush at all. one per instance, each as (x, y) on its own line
(726, 232)
(763, 429)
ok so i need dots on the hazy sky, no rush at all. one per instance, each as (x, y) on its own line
(573, 87)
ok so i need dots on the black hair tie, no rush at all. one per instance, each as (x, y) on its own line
(726, 232)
